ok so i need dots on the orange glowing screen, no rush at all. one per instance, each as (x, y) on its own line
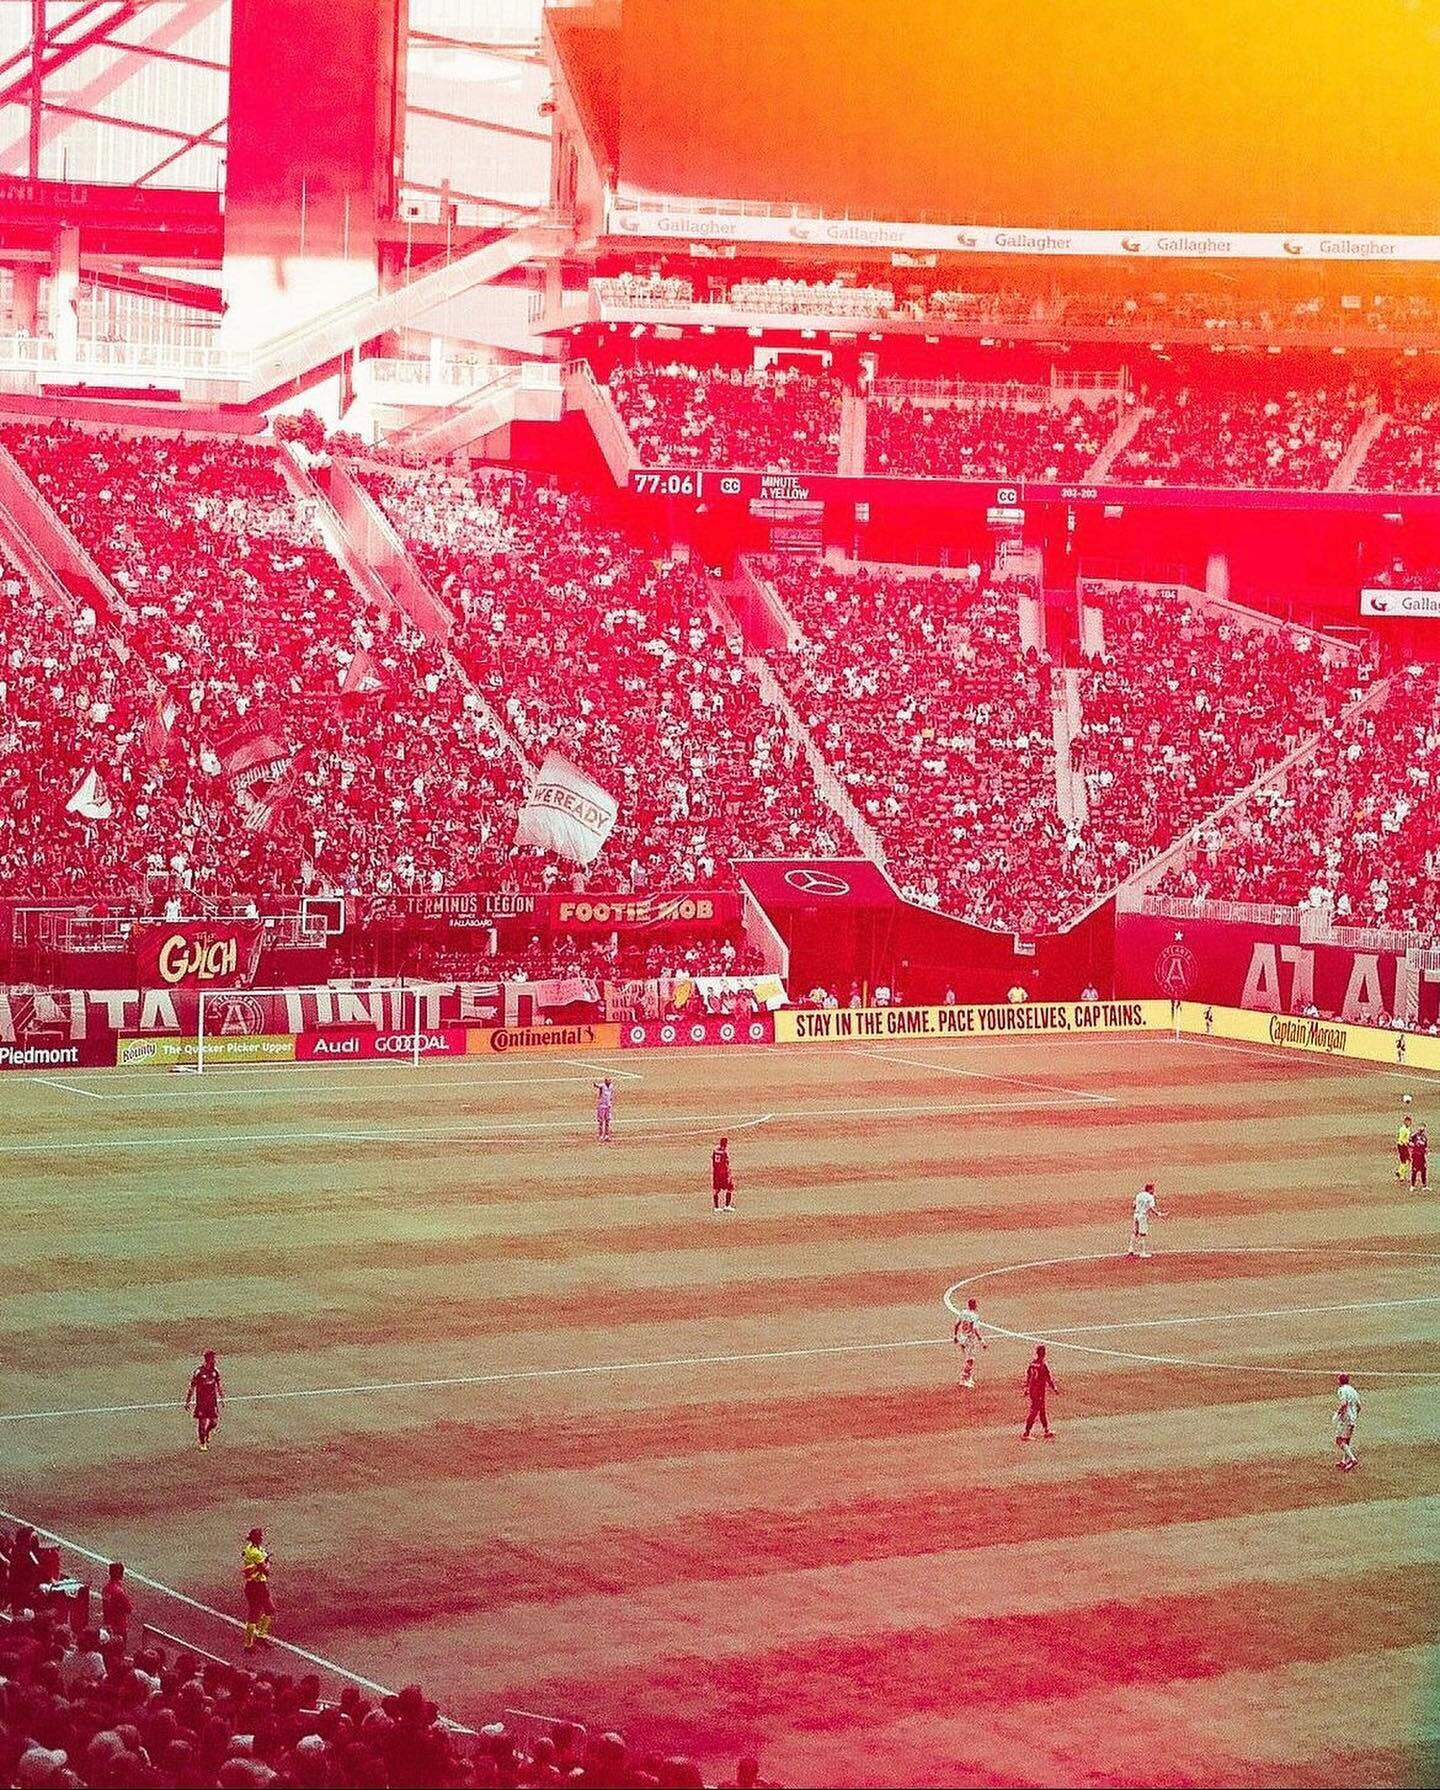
(1201, 115)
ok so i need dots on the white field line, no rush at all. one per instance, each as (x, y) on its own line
(495, 1379)
(594, 1064)
(402, 1133)
(1016, 1081)
(1238, 1317)
(361, 1090)
(194, 1603)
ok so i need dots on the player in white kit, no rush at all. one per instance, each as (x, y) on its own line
(1347, 1409)
(604, 1108)
(1146, 1208)
(968, 1337)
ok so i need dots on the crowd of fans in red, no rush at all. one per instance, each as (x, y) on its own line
(780, 421)
(986, 440)
(1294, 440)
(1351, 831)
(587, 643)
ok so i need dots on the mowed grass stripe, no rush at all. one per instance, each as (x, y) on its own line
(846, 1679)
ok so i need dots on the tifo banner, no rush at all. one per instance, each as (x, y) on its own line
(652, 1034)
(193, 954)
(249, 755)
(1268, 969)
(564, 811)
(355, 1044)
(500, 1040)
(626, 913)
(719, 994)
(171, 1053)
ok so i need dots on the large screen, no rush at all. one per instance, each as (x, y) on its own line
(1195, 115)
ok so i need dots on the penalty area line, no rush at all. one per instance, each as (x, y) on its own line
(1015, 1081)
(505, 1377)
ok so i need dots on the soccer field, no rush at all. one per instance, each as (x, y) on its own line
(526, 1422)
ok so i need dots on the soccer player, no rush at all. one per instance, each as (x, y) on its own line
(1402, 1144)
(1419, 1156)
(1347, 1409)
(1038, 1382)
(968, 1337)
(1146, 1208)
(205, 1397)
(255, 1575)
(604, 1109)
(721, 1180)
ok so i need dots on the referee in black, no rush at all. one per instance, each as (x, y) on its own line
(1038, 1382)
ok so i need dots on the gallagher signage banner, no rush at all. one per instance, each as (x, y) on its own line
(654, 1034)
(637, 913)
(197, 954)
(356, 1044)
(1411, 605)
(842, 1024)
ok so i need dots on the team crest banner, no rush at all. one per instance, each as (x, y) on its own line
(566, 812)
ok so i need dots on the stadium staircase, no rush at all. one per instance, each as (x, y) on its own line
(1344, 475)
(832, 791)
(1125, 432)
(52, 560)
(584, 392)
(1072, 798)
(854, 428)
(529, 393)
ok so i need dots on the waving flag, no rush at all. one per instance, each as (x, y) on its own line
(565, 812)
(261, 814)
(156, 737)
(91, 801)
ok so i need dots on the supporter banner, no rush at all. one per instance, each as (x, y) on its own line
(192, 954)
(471, 909)
(730, 221)
(357, 1044)
(1411, 605)
(250, 754)
(841, 1024)
(652, 1034)
(171, 1053)
(75, 1015)
(1267, 969)
(565, 811)
(628, 913)
(714, 992)
(1318, 1037)
(500, 1040)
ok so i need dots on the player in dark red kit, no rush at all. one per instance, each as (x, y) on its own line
(1420, 1156)
(721, 1180)
(205, 1397)
(1038, 1382)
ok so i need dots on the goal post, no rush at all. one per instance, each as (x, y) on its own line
(265, 1027)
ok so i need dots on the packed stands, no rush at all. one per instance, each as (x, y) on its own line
(243, 621)
(1350, 831)
(1292, 441)
(782, 421)
(814, 298)
(986, 439)
(1183, 709)
(916, 691)
(1405, 455)
(583, 641)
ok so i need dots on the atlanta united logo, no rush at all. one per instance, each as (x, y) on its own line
(1175, 971)
(240, 1017)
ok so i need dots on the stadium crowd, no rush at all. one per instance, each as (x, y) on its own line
(986, 440)
(1405, 454)
(1294, 440)
(585, 642)
(677, 415)
(1350, 831)
(101, 1708)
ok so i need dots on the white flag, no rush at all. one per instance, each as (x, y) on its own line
(90, 800)
(565, 812)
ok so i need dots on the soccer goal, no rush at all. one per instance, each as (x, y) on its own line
(359, 1021)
